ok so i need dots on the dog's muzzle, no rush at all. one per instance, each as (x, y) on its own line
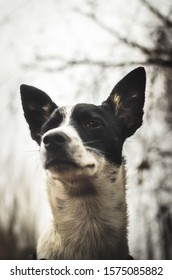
(64, 154)
(56, 146)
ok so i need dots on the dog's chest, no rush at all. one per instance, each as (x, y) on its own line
(88, 226)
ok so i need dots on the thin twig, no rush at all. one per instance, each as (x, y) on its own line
(113, 32)
(164, 19)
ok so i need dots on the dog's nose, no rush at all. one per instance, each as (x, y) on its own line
(55, 140)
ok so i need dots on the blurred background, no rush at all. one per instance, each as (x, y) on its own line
(76, 51)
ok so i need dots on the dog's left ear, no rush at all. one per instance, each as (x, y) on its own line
(127, 99)
(37, 107)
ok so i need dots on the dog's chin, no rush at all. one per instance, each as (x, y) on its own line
(70, 170)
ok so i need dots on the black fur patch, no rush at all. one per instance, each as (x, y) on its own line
(107, 137)
(54, 120)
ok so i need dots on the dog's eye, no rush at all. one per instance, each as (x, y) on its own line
(93, 124)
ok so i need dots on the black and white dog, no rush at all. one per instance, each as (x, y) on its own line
(81, 151)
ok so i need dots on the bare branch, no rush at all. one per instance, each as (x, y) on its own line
(164, 19)
(114, 33)
(66, 64)
(160, 62)
(83, 62)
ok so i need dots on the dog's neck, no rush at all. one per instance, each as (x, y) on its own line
(89, 218)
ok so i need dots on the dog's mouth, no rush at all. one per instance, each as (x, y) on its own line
(63, 165)
(60, 164)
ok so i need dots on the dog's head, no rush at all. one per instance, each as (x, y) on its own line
(76, 140)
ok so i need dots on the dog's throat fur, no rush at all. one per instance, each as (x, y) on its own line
(84, 225)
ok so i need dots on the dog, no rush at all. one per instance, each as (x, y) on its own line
(81, 152)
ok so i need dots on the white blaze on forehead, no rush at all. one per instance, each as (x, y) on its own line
(66, 112)
(65, 125)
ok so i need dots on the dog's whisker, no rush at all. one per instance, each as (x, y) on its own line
(32, 151)
(116, 139)
(131, 141)
(97, 150)
(90, 142)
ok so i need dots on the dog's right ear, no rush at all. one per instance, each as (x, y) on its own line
(37, 107)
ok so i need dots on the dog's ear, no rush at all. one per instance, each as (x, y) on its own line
(127, 99)
(37, 107)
